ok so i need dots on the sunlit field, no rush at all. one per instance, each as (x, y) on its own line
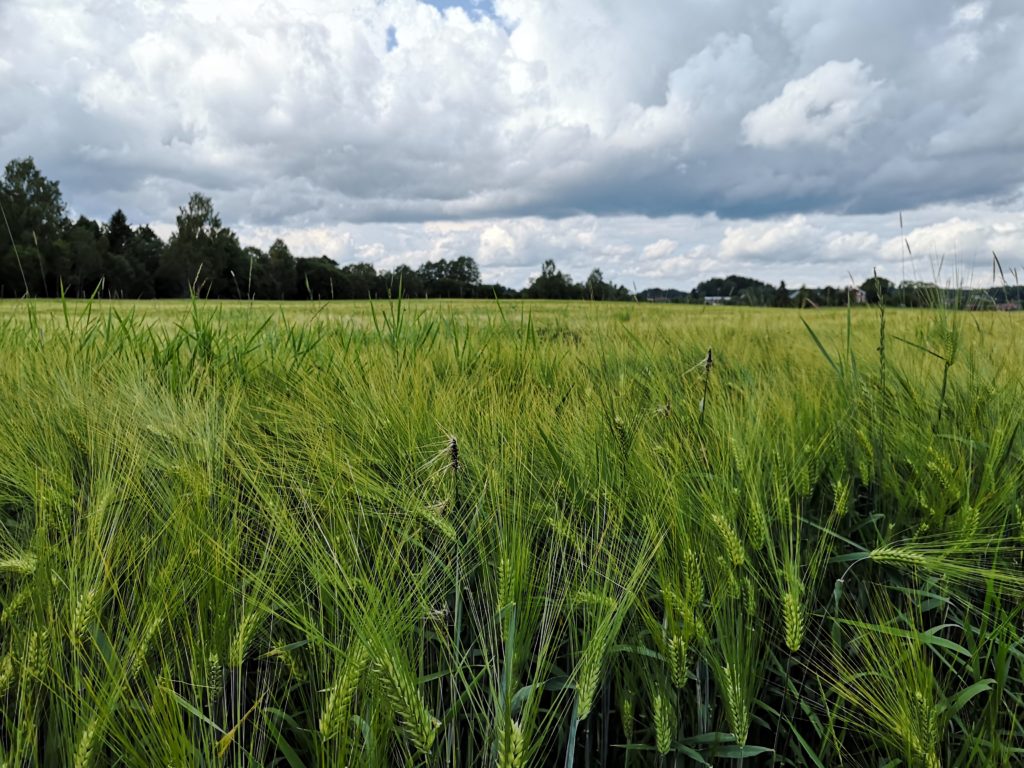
(508, 534)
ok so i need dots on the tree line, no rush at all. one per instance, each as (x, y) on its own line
(747, 291)
(45, 253)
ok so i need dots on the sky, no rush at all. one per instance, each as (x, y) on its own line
(661, 141)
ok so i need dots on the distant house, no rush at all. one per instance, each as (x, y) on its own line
(980, 301)
(715, 299)
(802, 298)
(656, 297)
(857, 295)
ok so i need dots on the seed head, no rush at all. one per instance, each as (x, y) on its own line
(216, 673)
(730, 539)
(84, 752)
(407, 702)
(896, 556)
(453, 454)
(84, 615)
(339, 698)
(662, 725)
(736, 711)
(20, 565)
(627, 718)
(6, 673)
(677, 648)
(511, 753)
(793, 620)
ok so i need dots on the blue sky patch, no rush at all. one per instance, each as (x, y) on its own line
(472, 7)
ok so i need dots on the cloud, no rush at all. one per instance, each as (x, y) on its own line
(682, 250)
(828, 106)
(540, 126)
(971, 13)
(662, 249)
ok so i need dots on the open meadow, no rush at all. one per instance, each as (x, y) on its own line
(509, 534)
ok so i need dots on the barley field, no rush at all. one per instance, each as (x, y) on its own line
(509, 534)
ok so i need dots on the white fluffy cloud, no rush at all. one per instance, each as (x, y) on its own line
(812, 249)
(778, 137)
(828, 107)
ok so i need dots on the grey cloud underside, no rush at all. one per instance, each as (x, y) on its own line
(639, 109)
(306, 115)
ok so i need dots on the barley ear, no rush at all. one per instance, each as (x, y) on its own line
(737, 711)
(241, 643)
(589, 676)
(730, 539)
(85, 614)
(677, 648)
(626, 713)
(86, 745)
(662, 725)
(897, 556)
(511, 754)
(793, 619)
(340, 695)
(405, 699)
(18, 565)
(6, 673)
(215, 672)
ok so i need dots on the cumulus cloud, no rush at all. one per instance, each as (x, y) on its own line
(681, 250)
(372, 128)
(662, 249)
(828, 107)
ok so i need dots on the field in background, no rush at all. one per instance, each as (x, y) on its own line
(474, 533)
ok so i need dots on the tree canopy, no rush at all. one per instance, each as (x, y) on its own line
(44, 253)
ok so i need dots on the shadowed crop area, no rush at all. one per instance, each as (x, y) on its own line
(508, 534)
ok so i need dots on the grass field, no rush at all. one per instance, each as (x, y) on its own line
(509, 534)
